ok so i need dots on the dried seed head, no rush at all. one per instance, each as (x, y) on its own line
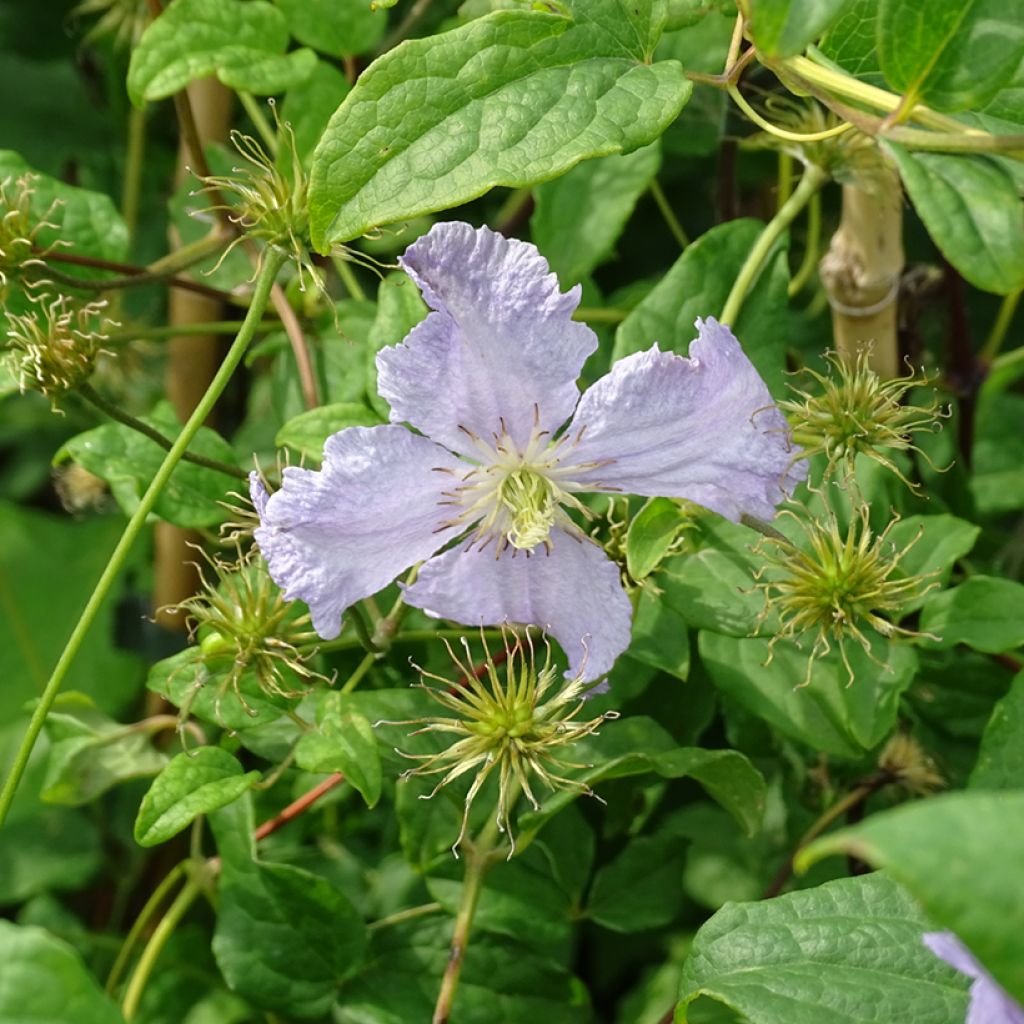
(242, 624)
(21, 249)
(906, 763)
(835, 584)
(54, 347)
(512, 721)
(856, 412)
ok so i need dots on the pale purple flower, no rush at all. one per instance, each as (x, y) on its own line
(504, 445)
(990, 1002)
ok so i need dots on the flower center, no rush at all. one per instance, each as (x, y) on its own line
(532, 507)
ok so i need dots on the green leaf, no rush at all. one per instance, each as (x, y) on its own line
(781, 28)
(339, 29)
(638, 745)
(128, 461)
(308, 431)
(828, 714)
(195, 782)
(243, 43)
(960, 855)
(650, 535)
(45, 981)
(515, 98)
(698, 284)
(983, 612)
(342, 742)
(952, 54)
(851, 44)
(90, 752)
(641, 888)
(308, 106)
(580, 216)
(1000, 762)
(846, 952)
(940, 542)
(285, 938)
(971, 208)
(660, 637)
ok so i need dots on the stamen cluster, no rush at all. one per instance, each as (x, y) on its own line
(20, 244)
(125, 20)
(510, 721)
(836, 584)
(54, 347)
(856, 412)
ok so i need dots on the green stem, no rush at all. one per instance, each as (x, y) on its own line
(133, 164)
(600, 316)
(136, 523)
(785, 186)
(361, 669)
(413, 636)
(813, 178)
(669, 214)
(140, 924)
(163, 931)
(996, 337)
(183, 330)
(404, 915)
(362, 630)
(478, 860)
(810, 260)
(115, 412)
(256, 115)
(348, 278)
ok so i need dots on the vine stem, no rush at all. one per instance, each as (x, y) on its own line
(668, 214)
(478, 860)
(261, 293)
(133, 164)
(115, 412)
(813, 179)
(163, 931)
(997, 335)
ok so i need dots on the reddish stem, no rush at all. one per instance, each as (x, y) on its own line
(297, 807)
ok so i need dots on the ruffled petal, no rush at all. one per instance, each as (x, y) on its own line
(990, 1002)
(572, 592)
(334, 536)
(703, 428)
(500, 347)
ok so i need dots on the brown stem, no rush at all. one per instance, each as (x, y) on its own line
(300, 348)
(299, 806)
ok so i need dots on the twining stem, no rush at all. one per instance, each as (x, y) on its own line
(115, 412)
(272, 264)
(133, 165)
(163, 931)
(479, 857)
(996, 337)
(810, 259)
(813, 179)
(668, 214)
(853, 799)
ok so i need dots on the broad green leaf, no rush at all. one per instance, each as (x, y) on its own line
(342, 742)
(308, 106)
(308, 431)
(846, 952)
(938, 543)
(243, 43)
(128, 461)
(285, 938)
(828, 714)
(46, 982)
(698, 284)
(960, 855)
(511, 99)
(340, 28)
(1000, 762)
(637, 746)
(580, 216)
(984, 612)
(997, 474)
(950, 54)
(971, 208)
(660, 637)
(641, 888)
(851, 44)
(195, 782)
(781, 28)
(501, 980)
(650, 535)
(90, 752)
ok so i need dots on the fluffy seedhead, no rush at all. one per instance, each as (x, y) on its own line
(22, 250)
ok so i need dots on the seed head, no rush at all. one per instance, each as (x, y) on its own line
(20, 228)
(835, 584)
(125, 20)
(54, 347)
(856, 412)
(512, 721)
(242, 624)
(909, 766)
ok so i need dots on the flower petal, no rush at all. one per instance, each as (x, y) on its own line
(573, 592)
(946, 946)
(338, 535)
(703, 428)
(990, 1002)
(500, 345)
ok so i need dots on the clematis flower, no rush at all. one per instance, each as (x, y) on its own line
(990, 1002)
(483, 492)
